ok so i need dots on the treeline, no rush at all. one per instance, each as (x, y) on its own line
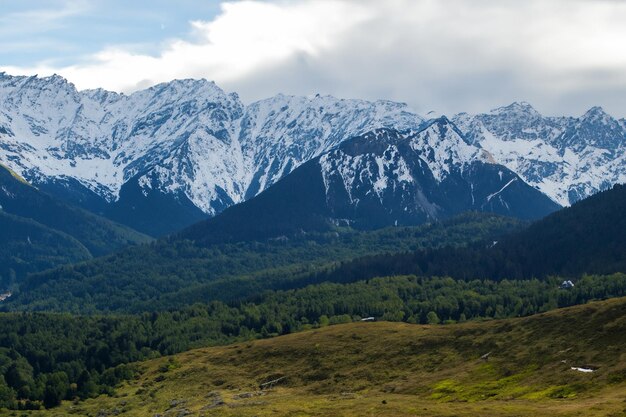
(48, 357)
(171, 274)
(589, 237)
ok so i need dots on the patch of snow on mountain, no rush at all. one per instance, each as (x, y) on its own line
(441, 147)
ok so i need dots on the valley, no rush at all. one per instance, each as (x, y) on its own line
(305, 208)
(305, 256)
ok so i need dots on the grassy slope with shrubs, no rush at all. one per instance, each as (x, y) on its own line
(395, 369)
(47, 357)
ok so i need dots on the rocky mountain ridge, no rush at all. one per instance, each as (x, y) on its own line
(566, 158)
(192, 150)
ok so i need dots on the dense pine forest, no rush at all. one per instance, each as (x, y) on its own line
(172, 273)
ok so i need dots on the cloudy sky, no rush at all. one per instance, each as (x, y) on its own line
(562, 56)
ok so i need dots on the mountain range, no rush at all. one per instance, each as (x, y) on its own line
(400, 181)
(163, 158)
(294, 213)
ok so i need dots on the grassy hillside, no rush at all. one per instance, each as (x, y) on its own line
(47, 357)
(394, 369)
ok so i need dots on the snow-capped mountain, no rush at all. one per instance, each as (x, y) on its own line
(280, 133)
(566, 158)
(382, 178)
(412, 177)
(165, 157)
(102, 139)
(186, 141)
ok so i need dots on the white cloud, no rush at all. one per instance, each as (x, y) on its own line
(562, 55)
(247, 36)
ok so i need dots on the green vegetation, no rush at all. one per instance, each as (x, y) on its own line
(85, 355)
(188, 294)
(589, 237)
(40, 232)
(393, 369)
(30, 247)
(172, 273)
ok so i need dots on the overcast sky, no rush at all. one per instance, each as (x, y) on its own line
(562, 56)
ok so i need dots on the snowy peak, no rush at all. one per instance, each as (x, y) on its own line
(597, 118)
(392, 177)
(365, 167)
(566, 158)
(517, 109)
(441, 146)
(102, 139)
(596, 114)
(192, 147)
(595, 128)
(280, 133)
(186, 139)
(443, 128)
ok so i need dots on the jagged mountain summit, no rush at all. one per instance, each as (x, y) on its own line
(162, 158)
(566, 158)
(183, 149)
(384, 177)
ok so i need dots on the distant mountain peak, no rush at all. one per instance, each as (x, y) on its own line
(191, 85)
(443, 124)
(55, 78)
(567, 158)
(597, 114)
(517, 107)
(442, 120)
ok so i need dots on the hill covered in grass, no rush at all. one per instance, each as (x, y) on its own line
(46, 357)
(394, 369)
